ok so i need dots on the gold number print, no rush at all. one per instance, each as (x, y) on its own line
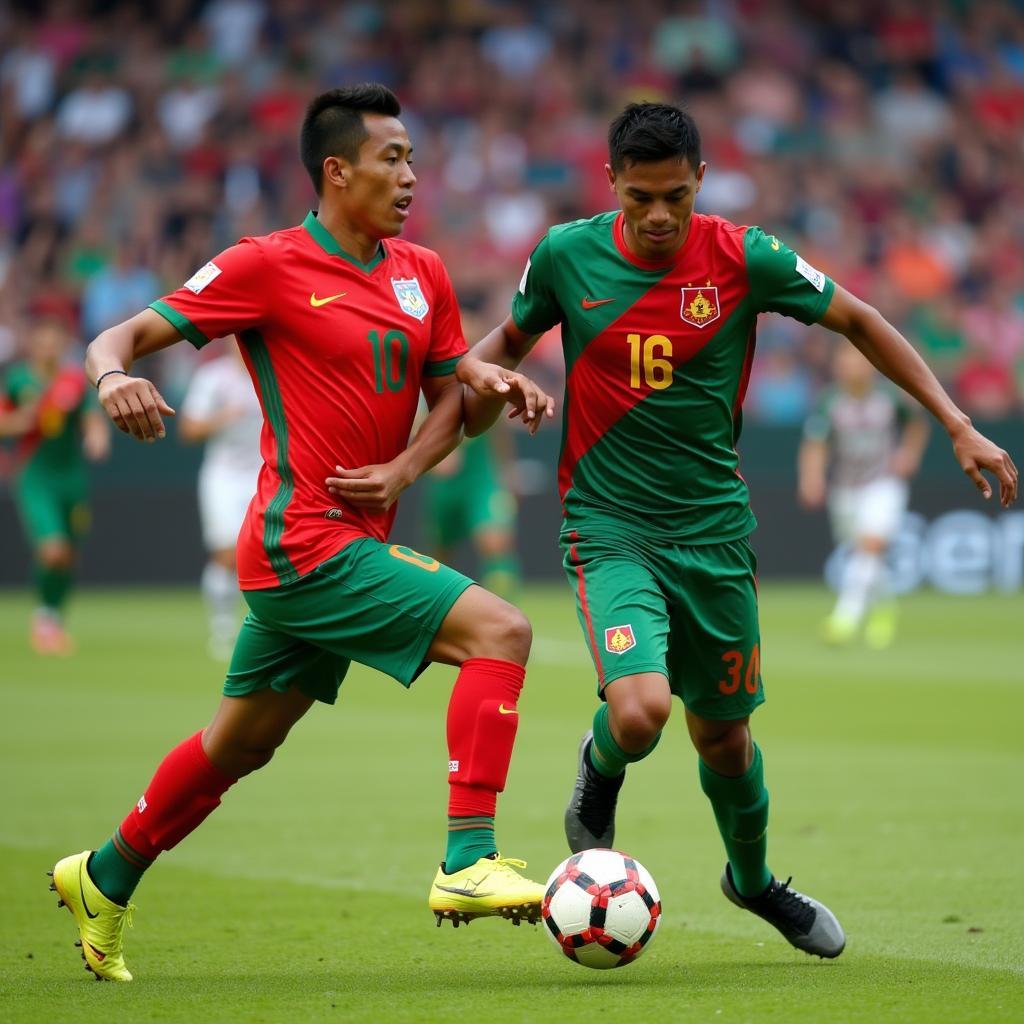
(649, 361)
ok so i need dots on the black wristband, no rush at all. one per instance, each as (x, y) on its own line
(107, 374)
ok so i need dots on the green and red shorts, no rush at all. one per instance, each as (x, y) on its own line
(52, 505)
(376, 603)
(687, 611)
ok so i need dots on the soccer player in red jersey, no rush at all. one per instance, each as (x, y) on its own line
(341, 326)
(46, 406)
(658, 307)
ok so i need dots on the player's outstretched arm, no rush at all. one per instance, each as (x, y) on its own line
(488, 373)
(894, 356)
(133, 403)
(378, 487)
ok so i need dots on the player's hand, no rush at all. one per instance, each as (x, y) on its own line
(375, 488)
(976, 452)
(135, 406)
(529, 402)
(903, 463)
(811, 491)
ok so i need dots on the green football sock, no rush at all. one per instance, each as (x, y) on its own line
(115, 875)
(741, 810)
(469, 839)
(606, 756)
(52, 586)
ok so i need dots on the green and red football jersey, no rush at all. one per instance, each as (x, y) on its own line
(657, 360)
(336, 350)
(53, 447)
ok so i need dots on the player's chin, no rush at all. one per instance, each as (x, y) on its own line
(394, 223)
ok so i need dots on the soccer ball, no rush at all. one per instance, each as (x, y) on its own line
(601, 908)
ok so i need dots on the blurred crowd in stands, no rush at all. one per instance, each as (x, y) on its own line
(882, 140)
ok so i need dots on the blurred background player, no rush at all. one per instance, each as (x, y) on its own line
(221, 410)
(872, 441)
(48, 407)
(467, 499)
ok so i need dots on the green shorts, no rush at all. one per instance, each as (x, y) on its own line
(51, 507)
(688, 611)
(378, 604)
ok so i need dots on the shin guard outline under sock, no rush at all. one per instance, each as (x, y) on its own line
(741, 812)
(482, 721)
(185, 789)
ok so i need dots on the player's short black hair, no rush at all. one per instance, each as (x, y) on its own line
(333, 125)
(646, 132)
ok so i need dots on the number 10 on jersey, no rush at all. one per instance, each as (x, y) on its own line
(649, 361)
(390, 354)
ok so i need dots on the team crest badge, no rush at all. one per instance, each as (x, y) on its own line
(619, 639)
(410, 297)
(700, 305)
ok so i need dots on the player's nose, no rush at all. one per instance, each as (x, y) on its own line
(659, 214)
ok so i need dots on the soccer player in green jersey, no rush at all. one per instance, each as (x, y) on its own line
(465, 498)
(658, 306)
(342, 325)
(47, 406)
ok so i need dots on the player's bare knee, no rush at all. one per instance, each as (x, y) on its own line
(727, 752)
(55, 556)
(503, 632)
(255, 758)
(872, 545)
(638, 723)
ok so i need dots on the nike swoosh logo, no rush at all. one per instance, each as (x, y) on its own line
(314, 301)
(98, 953)
(463, 892)
(81, 889)
(588, 303)
(502, 710)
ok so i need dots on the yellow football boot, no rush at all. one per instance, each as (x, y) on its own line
(880, 630)
(492, 887)
(101, 922)
(839, 630)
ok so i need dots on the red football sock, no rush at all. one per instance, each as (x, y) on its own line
(482, 722)
(184, 790)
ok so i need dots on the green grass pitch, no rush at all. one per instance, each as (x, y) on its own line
(896, 783)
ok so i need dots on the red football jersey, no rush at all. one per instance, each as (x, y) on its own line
(336, 350)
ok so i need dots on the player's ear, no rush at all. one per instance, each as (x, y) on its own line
(611, 176)
(700, 173)
(336, 172)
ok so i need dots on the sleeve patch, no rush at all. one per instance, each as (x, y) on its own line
(204, 275)
(815, 277)
(522, 282)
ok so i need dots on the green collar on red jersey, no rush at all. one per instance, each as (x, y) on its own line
(329, 244)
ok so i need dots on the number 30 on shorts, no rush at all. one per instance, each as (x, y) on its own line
(741, 670)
